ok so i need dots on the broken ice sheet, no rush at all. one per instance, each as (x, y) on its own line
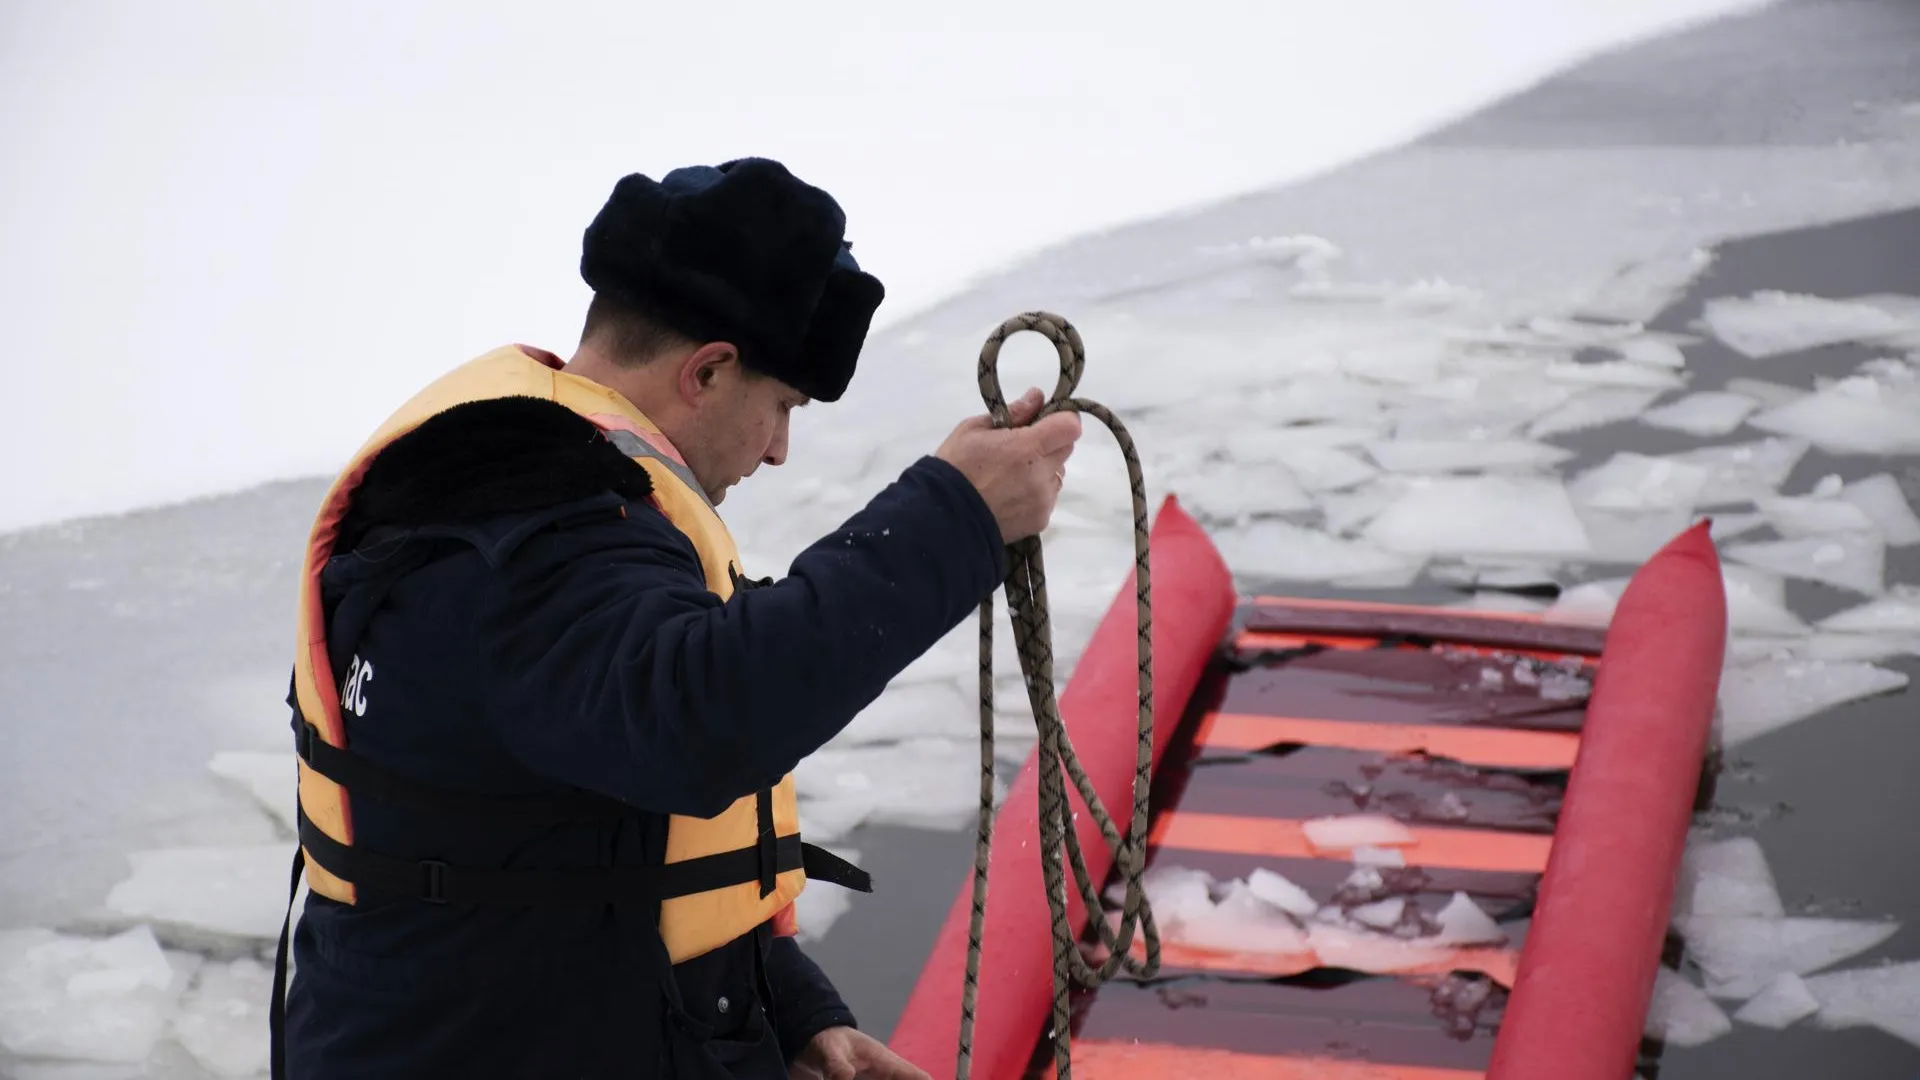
(1631, 537)
(1743, 472)
(1768, 394)
(1589, 603)
(940, 709)
(1681, 1013)
(84, 999)
(923, 783)
(1856, 415)
(1707, 413)
(1485, 515)
(1773, 323)
(1346, 511)
(1740, 954)
(1799, 516)
(1726, 877)
(1880, 498)
(1637, 482)
(1276, 549)
(1784, 1002)
(1725, 527)
(1848, 560)
(1760, 698)
(1614, 373)
(1429, 456)
(1591, 409)
(1896, 613)
(222, 892)
(271, 778)
(1886, 997)
(1328, 469)
(222, 1018)
(1652, 350)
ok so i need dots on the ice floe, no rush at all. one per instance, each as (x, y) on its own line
(222, 1018)
(1764, 392)
(1773, 323)
(1277, 549)
(272, 779)
(1847, 560)
(1742, 472)
(1896, 613)
(1874, 412)
(1782, 1003)
(206, 894)
(930, 783)
(75, 998)
(1886, 997)
(1760, 698)
(1681, 1013)
(1880, 498)
(1430, 456)
(1727, 877)
(1800, 516)
(1739, 955)
(1591, 409)
(1490, 515)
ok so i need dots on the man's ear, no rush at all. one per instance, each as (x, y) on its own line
(701, 369)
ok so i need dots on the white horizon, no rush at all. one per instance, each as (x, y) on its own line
(238, 237)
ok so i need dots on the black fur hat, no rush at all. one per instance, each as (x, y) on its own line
(743, 252)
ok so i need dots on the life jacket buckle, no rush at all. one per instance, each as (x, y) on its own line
(433, 881)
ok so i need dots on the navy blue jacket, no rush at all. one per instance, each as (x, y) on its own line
(532, 624)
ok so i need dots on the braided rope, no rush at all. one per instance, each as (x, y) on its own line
(1026, 588)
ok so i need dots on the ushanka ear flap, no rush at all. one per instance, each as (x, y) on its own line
(839, 329)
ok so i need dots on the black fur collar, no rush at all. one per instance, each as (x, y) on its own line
(489, 457)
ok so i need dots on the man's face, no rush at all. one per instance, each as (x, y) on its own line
(740, 424)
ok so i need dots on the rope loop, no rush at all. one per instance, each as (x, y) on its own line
(1032, 630)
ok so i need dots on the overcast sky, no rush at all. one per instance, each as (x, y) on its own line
(235, 235)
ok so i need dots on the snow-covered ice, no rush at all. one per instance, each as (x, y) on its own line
(1281, 550)
(202, 892)
(1490, 515)
(1592, 409)
(272, 780)
(1430, 456)
(1740, 954)
(1782, 1003)
(1727, 877)
(1896, 613)
(84, 999)
(1772, 323)
(1760, 698)
(1880, 498)
(1885, 996)
(1873, 412)
(1847, 560)
(222, 1018)
(1681, 1013)
(1742, 472)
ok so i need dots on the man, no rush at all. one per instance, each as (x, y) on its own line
(546, 721)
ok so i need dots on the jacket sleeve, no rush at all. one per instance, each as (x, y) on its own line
(805, 1003)
(614, 669)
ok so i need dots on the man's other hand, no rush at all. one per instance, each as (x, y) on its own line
(844, 1053)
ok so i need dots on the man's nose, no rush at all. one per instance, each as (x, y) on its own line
(777, 449)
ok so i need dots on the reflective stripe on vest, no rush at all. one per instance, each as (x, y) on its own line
(689, 924)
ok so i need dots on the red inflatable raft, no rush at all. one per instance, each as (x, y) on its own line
(1544, 772)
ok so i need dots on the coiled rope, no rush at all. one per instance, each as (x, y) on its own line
(1026, 588)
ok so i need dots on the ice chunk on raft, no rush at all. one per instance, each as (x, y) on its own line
(1356, 830)
(79, 999)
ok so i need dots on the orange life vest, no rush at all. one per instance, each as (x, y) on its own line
(722, 876)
